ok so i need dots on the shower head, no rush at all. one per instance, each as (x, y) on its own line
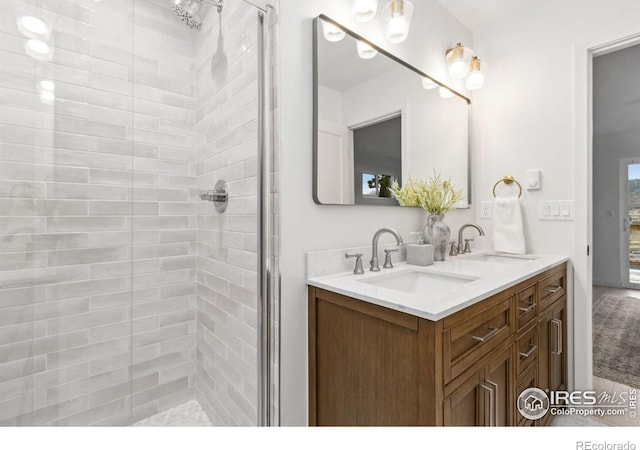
(187, 10)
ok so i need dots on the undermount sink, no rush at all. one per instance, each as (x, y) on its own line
(417, 282)
(502, 258)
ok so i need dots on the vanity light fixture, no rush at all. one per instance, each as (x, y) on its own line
(364, 10)
(457, 60)
(331, 32)
(365, 51)
(428, 83)
(398, 14)
(462, 64)
(475, 80)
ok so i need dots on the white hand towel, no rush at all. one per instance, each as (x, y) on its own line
(508, 232)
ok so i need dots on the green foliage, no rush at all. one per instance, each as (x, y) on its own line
(435, 195)
(634, 194)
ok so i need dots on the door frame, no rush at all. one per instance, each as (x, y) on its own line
(581, 290)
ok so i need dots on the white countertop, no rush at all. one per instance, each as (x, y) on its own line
(488, 278)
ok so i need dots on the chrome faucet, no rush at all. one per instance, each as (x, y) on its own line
(374, 246)
(466, 248)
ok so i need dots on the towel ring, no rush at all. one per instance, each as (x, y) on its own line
(508, 180)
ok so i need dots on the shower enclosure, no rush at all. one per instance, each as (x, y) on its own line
(122, 293)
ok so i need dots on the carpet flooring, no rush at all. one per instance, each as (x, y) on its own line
(616, 339)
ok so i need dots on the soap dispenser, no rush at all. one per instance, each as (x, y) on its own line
(419, 254)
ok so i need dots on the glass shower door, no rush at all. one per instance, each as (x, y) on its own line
(66, 115)
(122, 294)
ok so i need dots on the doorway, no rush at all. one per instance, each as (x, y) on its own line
(616, 219)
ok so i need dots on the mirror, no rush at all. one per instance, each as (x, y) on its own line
(378, 120)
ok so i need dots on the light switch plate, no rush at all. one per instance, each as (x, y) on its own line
(533, 180)
(561, 210)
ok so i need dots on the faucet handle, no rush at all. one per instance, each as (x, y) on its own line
(358, 270)
(454, 249)
(467, 247)
(387, 258)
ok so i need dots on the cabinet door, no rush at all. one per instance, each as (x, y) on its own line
(552, 360)
(363, 364)
(558, 347)
(467, 405)
(552, 373)
(485, 398)
(544, 355)
(499, 377)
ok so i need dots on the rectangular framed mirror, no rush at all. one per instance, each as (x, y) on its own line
(377, 120)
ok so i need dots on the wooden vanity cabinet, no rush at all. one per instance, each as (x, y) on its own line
(370, 365)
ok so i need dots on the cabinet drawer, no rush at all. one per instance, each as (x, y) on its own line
(552, 288)
(527, 380)
(526, 306)
(468, 341)
(527, 349)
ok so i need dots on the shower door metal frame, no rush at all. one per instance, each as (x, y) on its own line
(268, 266)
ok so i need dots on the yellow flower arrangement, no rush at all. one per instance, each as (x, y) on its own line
(435, 195)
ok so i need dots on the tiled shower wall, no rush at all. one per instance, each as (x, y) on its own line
(226, 140)
(93, 185)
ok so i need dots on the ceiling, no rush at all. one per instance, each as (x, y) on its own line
(476, 14)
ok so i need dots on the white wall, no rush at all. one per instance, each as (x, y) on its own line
(305, 225)
(533, 114)
(616, 106)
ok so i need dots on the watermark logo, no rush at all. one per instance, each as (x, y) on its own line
(533, 403)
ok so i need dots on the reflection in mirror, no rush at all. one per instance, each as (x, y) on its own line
(379, 120)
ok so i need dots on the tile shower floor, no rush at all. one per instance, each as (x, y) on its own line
(188, 414)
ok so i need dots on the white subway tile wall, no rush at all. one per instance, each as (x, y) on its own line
(98, 216)
(227, 280)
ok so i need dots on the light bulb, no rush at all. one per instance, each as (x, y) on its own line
(38, 49)
(457, 59)
(331, 32)
(398, 14)
(365, 51)
(364, 10)
(33, 28)
(398, 29)
(428, 83)
(475, 80)
(458, 69)
(445, 93)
